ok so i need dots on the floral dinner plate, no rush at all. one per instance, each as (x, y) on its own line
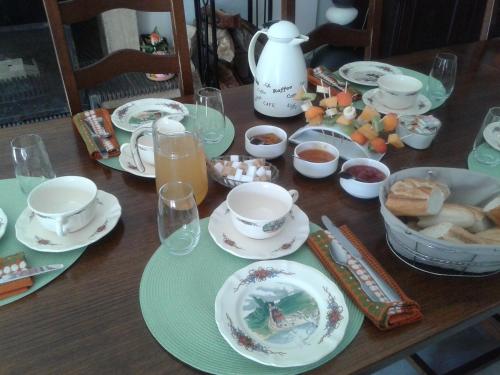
(290, 239)
(422, 105)
(30, 233)
(281, 313)
(131, 115)
(366, 72)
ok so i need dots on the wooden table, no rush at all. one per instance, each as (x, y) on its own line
(89, 321)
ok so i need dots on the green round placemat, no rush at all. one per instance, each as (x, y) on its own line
(211, 150)
(424, 78)
(177, 298)
(490, 170)
(13, 202)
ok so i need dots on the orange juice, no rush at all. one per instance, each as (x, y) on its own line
(180, 157)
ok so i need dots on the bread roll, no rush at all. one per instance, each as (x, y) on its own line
(452, 233)
(492, 209)
(490, 236)
(413, 197)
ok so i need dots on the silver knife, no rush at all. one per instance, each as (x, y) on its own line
(28, 272)
(339, 255)
(389, 292)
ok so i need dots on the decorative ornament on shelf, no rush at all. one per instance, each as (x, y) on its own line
(342, 12)
(156, 44)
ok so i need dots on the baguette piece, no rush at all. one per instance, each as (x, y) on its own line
(457, 214)
(469, 217)
(414, 197)
(481, 221)
(492, 210)
(490, 236)
(408, 186)
(452, 233)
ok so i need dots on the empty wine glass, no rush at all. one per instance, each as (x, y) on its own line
(178, 221)
(31, 161)
(486, 149)
(441, 79)
(210, 115)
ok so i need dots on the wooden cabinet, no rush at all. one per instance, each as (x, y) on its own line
(412, 25)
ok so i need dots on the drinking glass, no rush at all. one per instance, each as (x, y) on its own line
(179, 155)
(178, 221)
(441, 79)
(210, 115)
(486, 149)
(31, 162)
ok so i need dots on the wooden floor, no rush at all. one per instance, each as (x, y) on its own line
(475, 350)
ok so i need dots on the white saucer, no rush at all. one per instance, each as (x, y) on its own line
(3, 223)
(127, 163)
(492, 135)
(30, 233)
(422, 105)
(293, 235)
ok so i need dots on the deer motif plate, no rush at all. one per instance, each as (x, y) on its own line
(281, 313)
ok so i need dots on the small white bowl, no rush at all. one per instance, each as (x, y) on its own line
(312, 169)
(398, 91)
(266, 151)
(363, 190)
(416, 136)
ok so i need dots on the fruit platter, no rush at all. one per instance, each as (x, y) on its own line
(364, 133)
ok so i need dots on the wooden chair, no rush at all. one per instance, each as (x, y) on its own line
(340, 36)
(122, 61)
(488, 19)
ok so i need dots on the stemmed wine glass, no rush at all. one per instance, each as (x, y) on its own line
(486, 149)
(441, 79)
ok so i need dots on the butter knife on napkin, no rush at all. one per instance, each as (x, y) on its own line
(380, 287)
(384, 312)
(28, 272)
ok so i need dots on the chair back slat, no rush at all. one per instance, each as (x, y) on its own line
(124, 61)
(118, 62)
(341, 36)
(78, 11)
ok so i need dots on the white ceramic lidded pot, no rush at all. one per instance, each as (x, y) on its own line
(280, 72)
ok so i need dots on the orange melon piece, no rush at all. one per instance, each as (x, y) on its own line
(390, 122)
(314, 114)
(344, 99)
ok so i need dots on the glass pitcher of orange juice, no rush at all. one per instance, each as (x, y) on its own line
(178, 152)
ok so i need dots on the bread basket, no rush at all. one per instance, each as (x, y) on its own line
(438, 256)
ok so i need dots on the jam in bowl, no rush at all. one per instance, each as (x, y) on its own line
(364, 177)
(366, 173)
